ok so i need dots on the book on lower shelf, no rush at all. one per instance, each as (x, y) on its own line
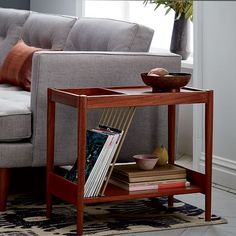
(130, 178)
(101, 145)
(131, 173)
(100, 169)
(150, 185)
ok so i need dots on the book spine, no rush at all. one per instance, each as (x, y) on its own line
(97, 175)
(173, 185)
(92, 176)
(103, 162)
(105, 171)
(177, 184)
(160, 186)
(155, 183)
(149, 178)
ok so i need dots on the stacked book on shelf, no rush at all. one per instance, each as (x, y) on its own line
(101, 145)
(131, 178)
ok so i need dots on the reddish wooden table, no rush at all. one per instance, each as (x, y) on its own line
(89, 98)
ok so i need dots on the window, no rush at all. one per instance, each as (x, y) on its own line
(136, 11)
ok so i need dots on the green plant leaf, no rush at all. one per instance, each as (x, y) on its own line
(179, 6)
(189, 13)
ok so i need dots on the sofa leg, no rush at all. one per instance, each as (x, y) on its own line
(4, 183)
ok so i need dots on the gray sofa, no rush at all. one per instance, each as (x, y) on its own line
(90, 52)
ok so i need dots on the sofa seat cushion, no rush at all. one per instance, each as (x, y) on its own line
(15, 114)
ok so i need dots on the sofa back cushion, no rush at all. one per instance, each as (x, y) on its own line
(97, 34)
(11, 21)
(47, 31)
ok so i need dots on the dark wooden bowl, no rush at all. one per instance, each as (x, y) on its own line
(165, 83)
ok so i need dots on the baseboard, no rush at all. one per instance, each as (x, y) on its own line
(223, 171)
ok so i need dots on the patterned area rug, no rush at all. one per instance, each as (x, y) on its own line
(26, 217)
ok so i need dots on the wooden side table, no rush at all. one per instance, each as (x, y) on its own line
(89, 98)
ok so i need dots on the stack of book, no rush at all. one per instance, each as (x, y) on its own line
(131, 178)
(101, 145)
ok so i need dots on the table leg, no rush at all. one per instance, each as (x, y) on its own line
(208, 153)
(50, 150)
(4, 184)
(81, 156)
(171, 142)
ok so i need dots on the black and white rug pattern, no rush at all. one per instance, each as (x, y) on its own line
(26, 217)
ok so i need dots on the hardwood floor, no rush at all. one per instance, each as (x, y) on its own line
(223, 204)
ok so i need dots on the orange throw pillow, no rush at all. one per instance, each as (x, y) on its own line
(17, 66)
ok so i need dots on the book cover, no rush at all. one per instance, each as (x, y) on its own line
(117, 140)
(149, 178)
(132, 170)
(94, 175)
(125, 183)
(98, 174)
(94, 145)
(177, 183)
(95, 180)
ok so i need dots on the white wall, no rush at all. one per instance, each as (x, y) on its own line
(65, 7)
(216, 67)
(20, 4)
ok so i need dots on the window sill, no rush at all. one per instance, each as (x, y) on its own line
(188, 64)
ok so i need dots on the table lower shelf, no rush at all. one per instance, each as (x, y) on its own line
(67, 191)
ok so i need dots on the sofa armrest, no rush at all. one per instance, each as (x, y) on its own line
(82, 69)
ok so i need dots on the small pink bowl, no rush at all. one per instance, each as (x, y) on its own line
(145, 161)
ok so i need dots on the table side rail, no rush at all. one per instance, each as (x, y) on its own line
(62, 188)
(64, 97)
(143, 86)
(114, 193)
(147, 100)
(142, 99)
(195, 177)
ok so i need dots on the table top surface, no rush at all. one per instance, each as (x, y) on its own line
(129, 90)
(128, 96)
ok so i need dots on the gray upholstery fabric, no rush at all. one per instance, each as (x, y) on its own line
(23, 115)
(15, 114)
(96, 34)
(10, 29)
(81, 69)
(47, 31)
(16, 154)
